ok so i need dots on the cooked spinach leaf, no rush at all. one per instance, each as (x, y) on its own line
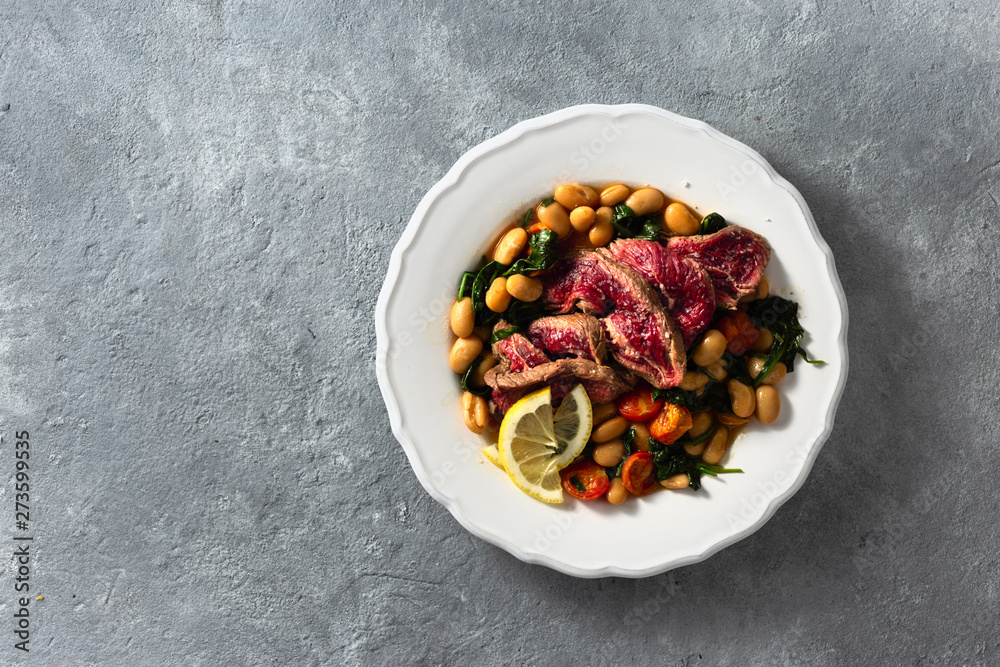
(529, 214)
(486, 318)
(500, 334)
(674, 395)
(701, 438)
(544, 250)
(672, 460)
(519, 314)
(523, 313)
(715, 470)
(715, 397)
(649, 230)
(465, 285)
(628, 439)
(711, 223)
(781, 317)
(630, 226)
(622, 211)
(478, 391)
(481, 284)
(620, 218)
(737, 368)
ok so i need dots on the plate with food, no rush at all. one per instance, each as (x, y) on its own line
(611, 340)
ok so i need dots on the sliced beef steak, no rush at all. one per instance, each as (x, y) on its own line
(734, 257)
(685, 288)
(578, 279)
(515, 353)
(642, 337)
(522, 366)
(601, 382)
(575, 335)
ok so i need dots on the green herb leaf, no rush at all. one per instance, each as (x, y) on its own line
(620, 218)
(527, 217)
(629, 226)
(701, 438)
(781, 317)
(802, 353)
(577, 484)
(628, 439)
(674, 395)
(715, 397)
(622, 211)
(737, 368)
(672, 460)
(711, 223)
(500, 334)
(649, 230)
(481, 284)
(523, 313)
(465, 285)
(478, 391)
(547, 202)
(715, 470)
(486, 318)
(544, 250)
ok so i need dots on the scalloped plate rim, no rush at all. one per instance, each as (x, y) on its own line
(449, 180)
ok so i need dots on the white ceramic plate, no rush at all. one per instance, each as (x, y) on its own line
(451, 228)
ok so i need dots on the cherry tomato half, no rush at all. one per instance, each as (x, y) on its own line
(672, 422)
(639, 473)
(639, 405)
(739, 331)
(585, 480)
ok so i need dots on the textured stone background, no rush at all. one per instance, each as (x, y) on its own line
(199, 202)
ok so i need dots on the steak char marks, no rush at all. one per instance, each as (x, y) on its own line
(575, 335)
(515, 353)
(734, 257)
(641, 336)
(684, 286)
(523, 366)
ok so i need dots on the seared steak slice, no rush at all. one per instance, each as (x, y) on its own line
(516, 353)
(685, 288)
(734, 257)
(601, 382)
(578, 280)
(521, 366)
(575, 335)
(642, 336)
(501, 400)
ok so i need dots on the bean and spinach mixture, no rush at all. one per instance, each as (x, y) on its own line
(590, 264)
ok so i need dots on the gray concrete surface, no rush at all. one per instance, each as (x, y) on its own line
(199, 202)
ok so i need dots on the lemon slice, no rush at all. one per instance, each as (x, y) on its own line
(492, 454)
(535, 445)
